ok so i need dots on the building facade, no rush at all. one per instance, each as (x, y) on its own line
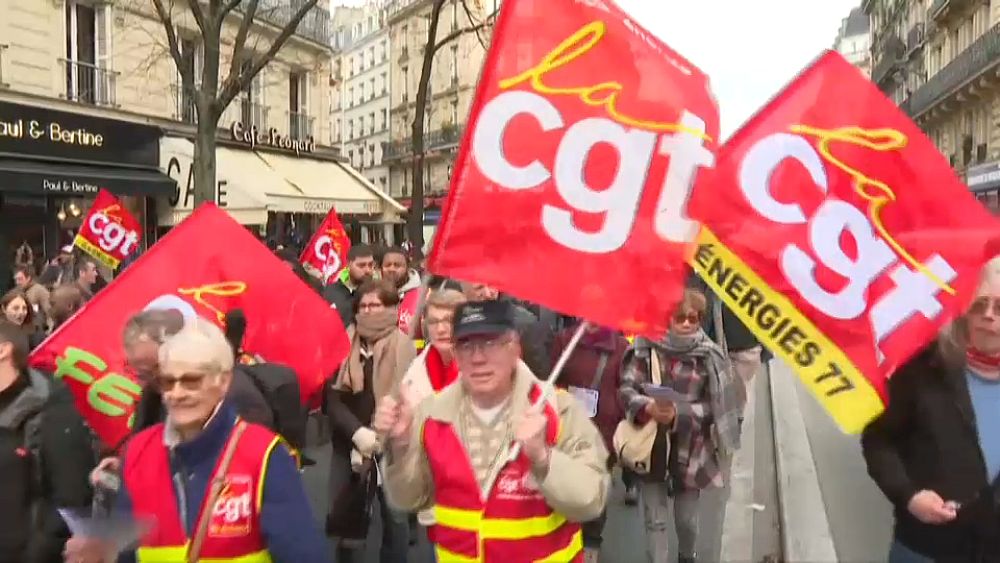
(104, 68)
(854, 40)
(362, 48)
(455, 74)
(940, 61)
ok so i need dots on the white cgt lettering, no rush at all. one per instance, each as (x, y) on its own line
(619, 201)
(912, 294)
(324, 251)
(112, 235)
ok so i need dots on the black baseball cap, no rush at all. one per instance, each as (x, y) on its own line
(485, 318)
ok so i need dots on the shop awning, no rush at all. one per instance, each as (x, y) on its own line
(325, 184)
(56, 178)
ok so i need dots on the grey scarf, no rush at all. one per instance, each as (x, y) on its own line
(723, 387)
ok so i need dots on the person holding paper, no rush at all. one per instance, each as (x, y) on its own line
(445, 452)
(698, 423)
(214, 486)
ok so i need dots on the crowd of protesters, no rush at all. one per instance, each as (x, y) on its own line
(421, 424)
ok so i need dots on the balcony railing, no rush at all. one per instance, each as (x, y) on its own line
(983, 54)
(942, 8)
(442, 138)
(891, 59)
(300, 125)
(89, 83)
(315, 25)
(186, 109)
(247, 112)
(915, 39)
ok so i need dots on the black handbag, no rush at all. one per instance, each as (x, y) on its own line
(351, 514)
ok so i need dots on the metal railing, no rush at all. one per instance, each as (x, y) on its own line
(915, 38)
(3, 47)
(185, 109)
(315, 25)
(890, 60)
(300, 125)
(89, 83)
(245, 111)
(439, 139)
(983, 54)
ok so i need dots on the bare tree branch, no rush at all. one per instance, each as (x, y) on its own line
(235, 83)
(231, 5)
(199, 16)
(186, 70)
(241, 36)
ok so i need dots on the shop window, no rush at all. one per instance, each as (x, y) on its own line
(404, 86)
(89, 78)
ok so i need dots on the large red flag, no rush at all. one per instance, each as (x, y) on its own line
(205, 266)
(840, 235)
(585, 138)
(328, 248)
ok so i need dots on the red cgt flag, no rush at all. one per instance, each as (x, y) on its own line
(191, 270)
(328, 248)
(585, 139)
(109, 232)
(844, 240)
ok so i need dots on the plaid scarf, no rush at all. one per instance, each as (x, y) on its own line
(724, 389)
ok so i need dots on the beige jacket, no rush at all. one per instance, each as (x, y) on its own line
(576, 484)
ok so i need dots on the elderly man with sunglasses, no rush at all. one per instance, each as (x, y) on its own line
(213, 486)
(444, 453)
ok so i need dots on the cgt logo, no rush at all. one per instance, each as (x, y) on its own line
(232, 513)
(112, 236)
(328, 248)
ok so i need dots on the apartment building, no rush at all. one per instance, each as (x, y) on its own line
(90, 98)
(940, 61)
(854, 40)
(455, 73)
(362, 50)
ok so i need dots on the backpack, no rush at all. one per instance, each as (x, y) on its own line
(279, 385)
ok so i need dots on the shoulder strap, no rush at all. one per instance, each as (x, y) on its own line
(218, 481)
(602, 364)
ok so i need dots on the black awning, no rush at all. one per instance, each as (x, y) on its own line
(56, 178)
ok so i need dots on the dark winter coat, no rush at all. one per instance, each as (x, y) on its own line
(927, 439)
(341, 297)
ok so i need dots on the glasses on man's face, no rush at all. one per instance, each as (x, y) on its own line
(371, 307)
(432, 321)
(486, 345)
(689, 318)
(188, 382)
(985, 304)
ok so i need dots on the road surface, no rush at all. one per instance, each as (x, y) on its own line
(860, 518)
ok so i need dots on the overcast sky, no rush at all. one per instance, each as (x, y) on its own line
(749, 48)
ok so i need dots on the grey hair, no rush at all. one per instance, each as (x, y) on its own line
(446, 299)
(201, 345)
(155, 325)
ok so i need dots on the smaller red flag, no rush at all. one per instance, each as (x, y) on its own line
(328, 248)
(109, 232)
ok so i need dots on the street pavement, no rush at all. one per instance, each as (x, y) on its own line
(860, 518)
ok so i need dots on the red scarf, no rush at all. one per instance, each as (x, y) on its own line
(440, 375)
(982, 359)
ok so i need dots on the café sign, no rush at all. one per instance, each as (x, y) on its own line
(45, 133)
(271, 138)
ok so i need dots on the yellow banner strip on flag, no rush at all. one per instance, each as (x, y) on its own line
(99, 255)
(822, 366)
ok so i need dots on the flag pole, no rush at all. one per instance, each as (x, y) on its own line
(547, 386)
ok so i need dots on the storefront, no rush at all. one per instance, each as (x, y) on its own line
(279, 188)
(53, 163)
(984, 181)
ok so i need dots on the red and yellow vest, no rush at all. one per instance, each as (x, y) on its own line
(234, 533)
(515, 524)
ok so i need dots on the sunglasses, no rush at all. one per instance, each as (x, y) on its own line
(188, 382)
(690, 318)
(983, 304)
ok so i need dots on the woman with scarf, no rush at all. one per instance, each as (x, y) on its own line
(379, 356)
(695, 435)
(935, 450)
(435, 368)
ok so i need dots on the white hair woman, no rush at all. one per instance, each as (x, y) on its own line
(241, 495)
(935, 450)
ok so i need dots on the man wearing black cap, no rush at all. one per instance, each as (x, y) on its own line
(460, 441)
